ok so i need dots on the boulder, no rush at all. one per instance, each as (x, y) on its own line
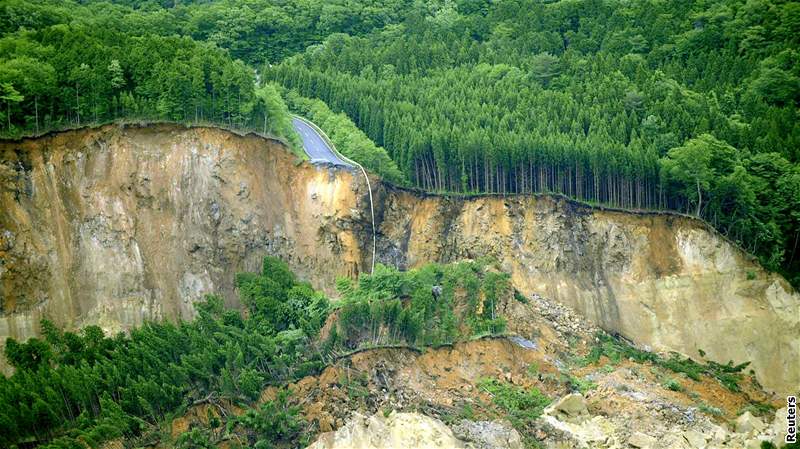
(396, 431)
(642, 441)
(695, 438)
(719, 434)
(779, 426)
(748, 423)
(570, 408)
(755, 443)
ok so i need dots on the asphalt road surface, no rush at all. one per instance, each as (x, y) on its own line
(316, 148)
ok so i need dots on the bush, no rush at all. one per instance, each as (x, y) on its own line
(711, 410)
(673, 385)
(577, 384)
(195, 439)
(521, 405)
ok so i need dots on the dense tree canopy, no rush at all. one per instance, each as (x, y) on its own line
(70, 63)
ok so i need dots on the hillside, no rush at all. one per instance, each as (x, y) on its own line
(688, 106)
(116, 225)
(384, 224)
(444, 356)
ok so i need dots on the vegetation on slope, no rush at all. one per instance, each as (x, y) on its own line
(68, 75)
(71, 63)
(255, 31)
(429, 306)
(87, 387)
(616, 350)
(77, 389)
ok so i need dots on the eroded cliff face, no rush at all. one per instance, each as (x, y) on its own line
(663, 281)
(114, 225)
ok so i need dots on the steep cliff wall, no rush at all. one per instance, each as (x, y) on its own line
(117, 225)
(663, 281)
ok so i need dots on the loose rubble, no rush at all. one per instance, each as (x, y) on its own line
(564, 320)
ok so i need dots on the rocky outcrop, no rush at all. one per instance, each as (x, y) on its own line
(488, 434)
(580, 430)
(116, 225)
(407, 430)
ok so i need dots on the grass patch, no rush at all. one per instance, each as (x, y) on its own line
(467, 412)
(709, 409)
(522, 406)
(616, 350)
(578, 384)
(758, 409)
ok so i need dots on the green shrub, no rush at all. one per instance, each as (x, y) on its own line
(673, 385)
(521, 405)
(578, 384)
(467, 412)
(758, 409)
(195, 439)
(356, 386)
(709, 409)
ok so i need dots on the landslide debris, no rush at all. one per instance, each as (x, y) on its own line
(539, 385)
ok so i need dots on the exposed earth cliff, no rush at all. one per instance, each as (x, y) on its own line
(116, 225)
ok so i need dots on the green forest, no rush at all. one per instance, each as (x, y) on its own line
(72, 389)
(688, 106)
(71, 63)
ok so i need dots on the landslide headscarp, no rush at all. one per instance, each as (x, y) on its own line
(116, 225)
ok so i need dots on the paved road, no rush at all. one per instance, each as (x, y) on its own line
(316, 148)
